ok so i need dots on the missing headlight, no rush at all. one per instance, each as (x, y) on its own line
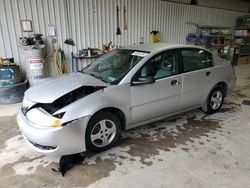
(67, 99)
(59, 115)
(24, 109)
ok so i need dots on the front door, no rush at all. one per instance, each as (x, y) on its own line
(159, 98)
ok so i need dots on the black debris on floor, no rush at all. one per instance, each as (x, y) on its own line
(69, 161)
(246, 102)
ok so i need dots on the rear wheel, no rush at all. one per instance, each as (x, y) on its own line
(214, 101)
(103, 131)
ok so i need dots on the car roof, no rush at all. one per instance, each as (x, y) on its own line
(158, 46)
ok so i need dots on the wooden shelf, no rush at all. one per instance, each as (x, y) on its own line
(219, 35)
(203, 26)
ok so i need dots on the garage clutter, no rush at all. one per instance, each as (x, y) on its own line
(242, 39)
(228, 42)
(216, 38)
(12, 83)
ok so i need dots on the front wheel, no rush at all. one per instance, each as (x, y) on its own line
(214, 101)
(103, 131)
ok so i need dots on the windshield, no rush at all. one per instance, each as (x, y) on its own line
(113, 66)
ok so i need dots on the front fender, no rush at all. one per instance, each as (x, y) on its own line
(117, 96)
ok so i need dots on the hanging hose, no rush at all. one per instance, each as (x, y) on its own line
(61, 67)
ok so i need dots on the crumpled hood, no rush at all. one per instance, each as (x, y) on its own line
(51, 89)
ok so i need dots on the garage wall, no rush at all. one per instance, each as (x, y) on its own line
(93, 22)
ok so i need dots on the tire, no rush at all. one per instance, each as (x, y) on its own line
(103, 132)
(214, 101)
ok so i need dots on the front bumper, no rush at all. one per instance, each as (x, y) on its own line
(57, 141)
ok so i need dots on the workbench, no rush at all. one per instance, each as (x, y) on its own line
(76, 57)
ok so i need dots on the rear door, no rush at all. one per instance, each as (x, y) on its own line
(196, 65)
(163, 96)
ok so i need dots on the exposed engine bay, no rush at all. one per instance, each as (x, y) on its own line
(67, 99)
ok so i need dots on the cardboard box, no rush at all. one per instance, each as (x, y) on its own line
(243, 60)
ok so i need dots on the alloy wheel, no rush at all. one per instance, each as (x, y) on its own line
(216, 100)
(103, 133)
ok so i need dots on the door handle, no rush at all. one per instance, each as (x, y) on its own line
(208, 73)
(174, 83)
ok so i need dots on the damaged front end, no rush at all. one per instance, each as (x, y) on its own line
(44, 114)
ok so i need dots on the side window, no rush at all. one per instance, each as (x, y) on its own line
(195, 59)
(162, 65)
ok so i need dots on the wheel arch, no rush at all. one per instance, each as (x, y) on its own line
(119, 113)
(223, 86)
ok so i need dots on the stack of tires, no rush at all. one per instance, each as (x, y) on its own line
(12, 87)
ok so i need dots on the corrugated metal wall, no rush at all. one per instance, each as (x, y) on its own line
(93, 22)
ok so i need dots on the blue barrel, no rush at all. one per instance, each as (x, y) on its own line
(10, 75)
(12, 93)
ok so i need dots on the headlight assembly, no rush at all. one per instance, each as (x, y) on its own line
(40, 117)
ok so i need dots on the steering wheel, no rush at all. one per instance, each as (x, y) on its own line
(166, 65)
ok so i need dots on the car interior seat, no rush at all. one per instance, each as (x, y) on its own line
(166, 69)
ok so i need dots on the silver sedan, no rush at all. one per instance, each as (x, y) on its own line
(123, 89)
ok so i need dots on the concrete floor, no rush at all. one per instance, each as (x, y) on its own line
(191, 150)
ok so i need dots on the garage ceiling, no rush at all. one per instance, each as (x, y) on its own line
(239, 5)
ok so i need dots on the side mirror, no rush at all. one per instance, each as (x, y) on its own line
(143, 80)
